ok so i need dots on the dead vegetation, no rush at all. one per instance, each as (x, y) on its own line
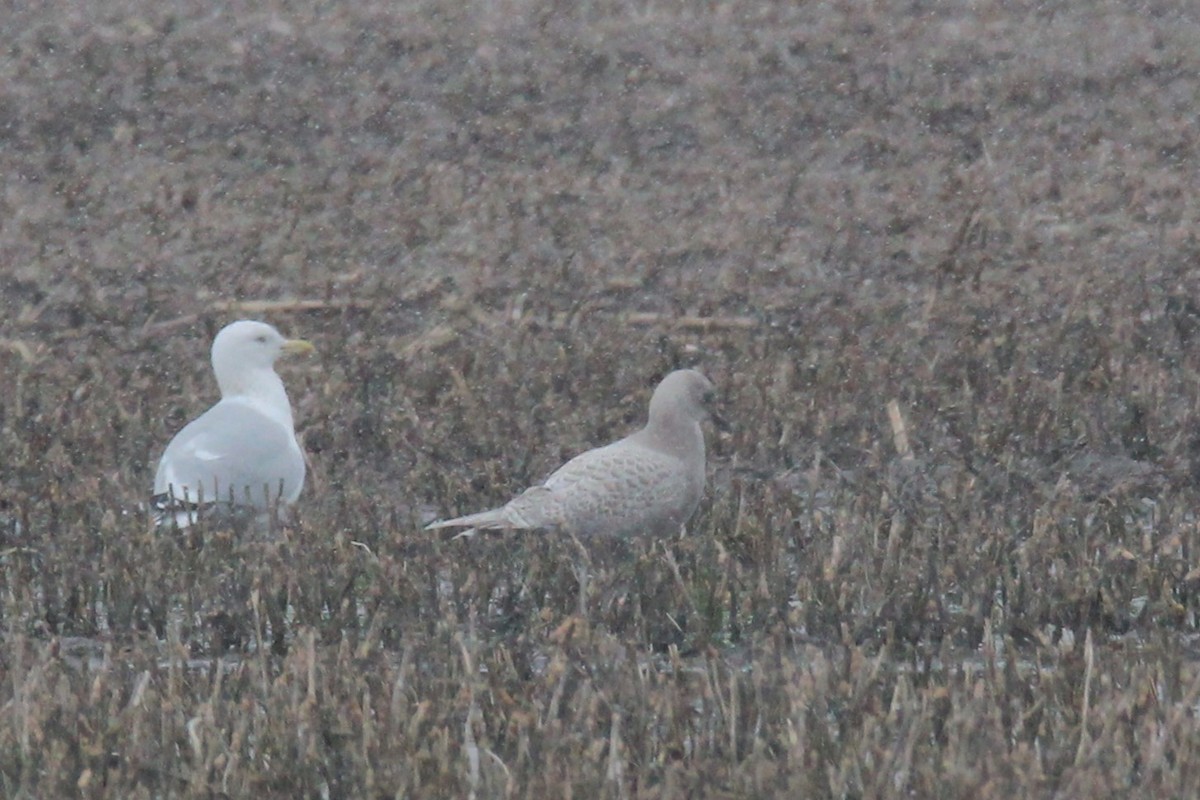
(942, 266)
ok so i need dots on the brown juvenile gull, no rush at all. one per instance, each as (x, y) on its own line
(647, 484)
(242, 451)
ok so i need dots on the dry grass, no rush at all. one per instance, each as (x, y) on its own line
(502, 223)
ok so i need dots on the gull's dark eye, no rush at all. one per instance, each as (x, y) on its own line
(262, 338)
(709, 396)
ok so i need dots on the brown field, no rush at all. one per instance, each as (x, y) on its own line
(941, 259)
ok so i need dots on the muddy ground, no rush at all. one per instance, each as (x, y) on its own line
(940, 258)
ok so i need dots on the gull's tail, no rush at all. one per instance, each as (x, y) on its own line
(523, 513)
(493, 520)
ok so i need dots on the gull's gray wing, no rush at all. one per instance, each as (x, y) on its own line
(232, 447)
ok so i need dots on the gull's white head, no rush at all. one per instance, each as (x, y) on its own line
(244, 354)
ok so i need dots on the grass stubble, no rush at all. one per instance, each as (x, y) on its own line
(942, 268)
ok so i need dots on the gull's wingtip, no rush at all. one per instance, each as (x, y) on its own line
(440, 524)
(457, 522)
